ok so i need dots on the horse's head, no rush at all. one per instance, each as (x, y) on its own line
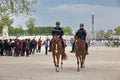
(56, 44)
(56, 38)
(76, 38)
(79, 42)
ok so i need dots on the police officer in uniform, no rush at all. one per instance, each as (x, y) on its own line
(57, 31)
(81, 33)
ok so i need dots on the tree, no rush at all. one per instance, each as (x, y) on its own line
(43, 30)
(117, 30)
(100, 34)
(1, 27)
(8, 7)
(67, 30)
(108, 33)
(13, 7)
(5, 21)
(16, 31)
(30, 23)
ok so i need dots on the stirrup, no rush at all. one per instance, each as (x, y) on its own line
(87, 53)
(49, 50)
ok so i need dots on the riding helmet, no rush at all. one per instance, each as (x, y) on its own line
(81, 25)
(57, 23)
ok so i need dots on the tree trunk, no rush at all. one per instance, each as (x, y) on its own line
(5, 32)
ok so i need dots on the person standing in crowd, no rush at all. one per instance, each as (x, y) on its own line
(12, 46)
(39, 45)
(81, 33)
(1, 48)
(117, 43)
(33, 46)
(21, 48)
(46, 46)
(6, 48)
(72, 41)
(27, 47)
(16, 48)
(30, 47)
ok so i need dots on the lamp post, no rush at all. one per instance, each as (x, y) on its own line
(93, 35)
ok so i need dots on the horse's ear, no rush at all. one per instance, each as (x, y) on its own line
(76, 37)
(58, 36)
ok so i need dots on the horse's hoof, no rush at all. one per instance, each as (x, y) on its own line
(82, 66)
(78, 70)
(57, 69)
(55, 65)
(61, 65)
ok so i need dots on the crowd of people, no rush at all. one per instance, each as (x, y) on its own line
(17, 47)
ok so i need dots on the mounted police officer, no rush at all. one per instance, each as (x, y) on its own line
(81, 33)
(57, 31)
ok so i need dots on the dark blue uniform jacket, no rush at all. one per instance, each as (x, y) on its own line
(81, 33)
(57, 31)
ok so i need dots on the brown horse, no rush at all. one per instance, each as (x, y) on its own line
(57, 52)
(80, 52)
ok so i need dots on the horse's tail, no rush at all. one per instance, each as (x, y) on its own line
(64, 56)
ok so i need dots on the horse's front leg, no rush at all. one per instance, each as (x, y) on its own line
(78, 67)
(53, 54)
(83, 60)
(58, 58)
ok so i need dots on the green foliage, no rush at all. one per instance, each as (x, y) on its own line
(16, 6)
(16, 31)
(5, 20)
(117, 30)
(46, 30)
(30, 23)
(100, 34)
(1, 27)
(43, 30)
(67, 30)
(108, 33)
(13, 7)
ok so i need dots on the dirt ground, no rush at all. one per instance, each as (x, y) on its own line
(102, 63)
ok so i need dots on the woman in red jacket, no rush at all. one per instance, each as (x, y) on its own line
(21, 48)
(39, 45)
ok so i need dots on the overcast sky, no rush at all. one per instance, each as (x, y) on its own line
(73, 12)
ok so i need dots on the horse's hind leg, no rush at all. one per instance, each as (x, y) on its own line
(78, 67)
(61, 61)
(82, 64)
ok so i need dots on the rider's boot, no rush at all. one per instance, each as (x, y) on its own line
(50, 46)
(63, 46)
(73, 48)
(86, 46)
